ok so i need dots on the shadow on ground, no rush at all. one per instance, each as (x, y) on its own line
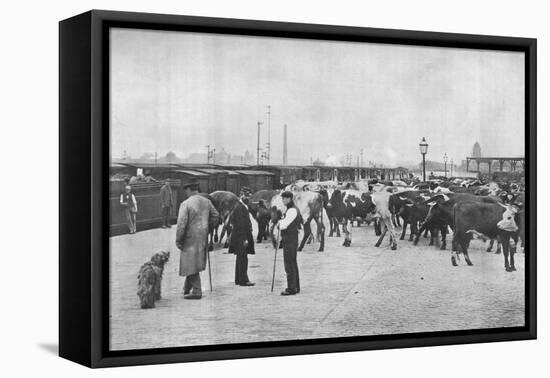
(52, 348)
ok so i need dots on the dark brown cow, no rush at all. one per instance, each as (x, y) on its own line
(341, 214)
(485, 220)
(259, 204)
(440, 215)
(224, 202)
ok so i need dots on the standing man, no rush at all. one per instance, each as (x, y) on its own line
(128, 201)
(241, 242)
(166, 202)
(196, 213)
(289, 227)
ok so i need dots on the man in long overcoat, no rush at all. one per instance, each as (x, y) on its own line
(166, 203)
(241, 242)
(195, 215)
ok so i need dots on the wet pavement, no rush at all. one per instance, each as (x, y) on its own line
(360, 290)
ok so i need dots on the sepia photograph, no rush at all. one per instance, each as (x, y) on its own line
(271, 189)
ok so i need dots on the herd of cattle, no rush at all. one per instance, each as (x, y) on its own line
(488, 211)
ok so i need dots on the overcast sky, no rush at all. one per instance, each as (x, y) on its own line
(176, 91)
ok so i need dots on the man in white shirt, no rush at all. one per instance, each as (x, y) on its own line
(128, 201)
(289, 227)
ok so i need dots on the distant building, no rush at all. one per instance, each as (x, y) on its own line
(248, 158)
(476, 150)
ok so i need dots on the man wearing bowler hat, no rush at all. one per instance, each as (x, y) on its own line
(289, 227)
(195, 215)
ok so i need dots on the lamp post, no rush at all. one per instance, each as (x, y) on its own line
(423, 150)
(445, 158)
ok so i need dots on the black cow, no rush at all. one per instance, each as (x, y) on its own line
(488, 221)
(415, 213)
(341, 213)
(397, 203)
(360, 207)
(333, 223)
(440, 214)
(262, 214)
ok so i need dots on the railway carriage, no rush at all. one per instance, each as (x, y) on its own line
(282, 175)
(256, 180)
(185, 176)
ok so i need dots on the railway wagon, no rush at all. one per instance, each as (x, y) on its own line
(256, 180)
(233, 182)
(320, 173)
(217, 178)
(346, 173)
(184, 177)
(311, 173)
(148, 202)
(283, 175)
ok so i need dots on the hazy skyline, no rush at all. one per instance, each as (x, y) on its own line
(178, 91)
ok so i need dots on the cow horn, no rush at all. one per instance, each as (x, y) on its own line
(509, 208)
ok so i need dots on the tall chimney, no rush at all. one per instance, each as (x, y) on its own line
(285, 152)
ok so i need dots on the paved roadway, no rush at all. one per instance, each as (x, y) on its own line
(361, 290)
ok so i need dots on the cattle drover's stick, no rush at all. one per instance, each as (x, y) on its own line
(275, 260)
(209, 271)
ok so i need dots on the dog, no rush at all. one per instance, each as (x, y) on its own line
(150, 278)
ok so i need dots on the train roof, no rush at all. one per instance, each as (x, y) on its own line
(195, 165)
(234, 166)
(147, 165)
(254, 173)
(215, 171)
(117, 165)
(263, 167)
(190, 172)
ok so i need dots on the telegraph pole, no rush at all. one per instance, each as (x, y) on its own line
(268, 156)
(258, 144)
(210, 154)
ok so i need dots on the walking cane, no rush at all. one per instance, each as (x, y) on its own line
(209, 271)
(275, 260)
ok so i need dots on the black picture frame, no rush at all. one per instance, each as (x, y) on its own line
(83, 163)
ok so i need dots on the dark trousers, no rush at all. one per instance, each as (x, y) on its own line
(166, 216)
(290, 251)
(241, 267)
(192, 284)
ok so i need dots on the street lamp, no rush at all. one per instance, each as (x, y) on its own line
(445, 158)
(423, 150)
